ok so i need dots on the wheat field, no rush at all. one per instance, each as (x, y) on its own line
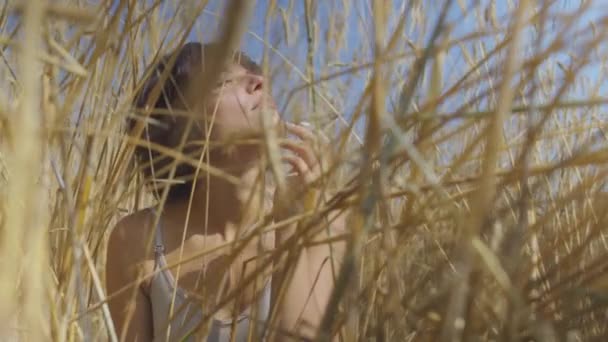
(470, 135)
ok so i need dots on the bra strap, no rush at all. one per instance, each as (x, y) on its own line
(159, 247)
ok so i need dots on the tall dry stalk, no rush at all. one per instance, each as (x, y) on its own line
(24, 233)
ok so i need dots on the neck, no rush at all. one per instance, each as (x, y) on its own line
(219, 205)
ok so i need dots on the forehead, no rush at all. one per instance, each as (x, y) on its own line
(246, 63)
(236, 69)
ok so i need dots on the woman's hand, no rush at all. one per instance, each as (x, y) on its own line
(309, 158)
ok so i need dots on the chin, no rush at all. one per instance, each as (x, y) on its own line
(257, 131)
(243, 137)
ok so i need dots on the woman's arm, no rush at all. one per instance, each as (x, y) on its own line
(132, 316)
(309, 287)
(306, 283)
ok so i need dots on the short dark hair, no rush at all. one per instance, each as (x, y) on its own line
(163, 128)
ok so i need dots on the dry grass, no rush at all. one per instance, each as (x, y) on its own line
(471, 137)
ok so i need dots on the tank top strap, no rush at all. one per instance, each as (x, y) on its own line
(159, 246)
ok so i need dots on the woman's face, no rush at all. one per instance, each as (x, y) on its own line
(238, 104)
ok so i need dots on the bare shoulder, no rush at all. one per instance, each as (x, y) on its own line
(128, 241)
(126, 256)
(133, 226)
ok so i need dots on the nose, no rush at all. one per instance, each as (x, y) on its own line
(255, 83)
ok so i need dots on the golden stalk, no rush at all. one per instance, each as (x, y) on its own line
(24, 233)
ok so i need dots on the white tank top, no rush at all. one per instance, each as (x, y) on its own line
(187, 313)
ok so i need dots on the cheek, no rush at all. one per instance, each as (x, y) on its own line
(228, 112)
(231, 104)
(218, 108)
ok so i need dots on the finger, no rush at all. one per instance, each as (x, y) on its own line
(307, 176)
(300, 131)
(302, 150)
(319, 141)
(318, 134)
(298, 164)
(306, 124)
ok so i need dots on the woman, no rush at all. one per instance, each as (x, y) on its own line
(205, 246)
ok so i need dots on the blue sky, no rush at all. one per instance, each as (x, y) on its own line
(358, 40)
(358, 47)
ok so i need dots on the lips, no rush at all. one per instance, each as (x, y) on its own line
(268, 103)
(272, 104)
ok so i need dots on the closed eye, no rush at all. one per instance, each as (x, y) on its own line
(223, 82)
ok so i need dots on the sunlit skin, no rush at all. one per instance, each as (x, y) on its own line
(221, 211)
